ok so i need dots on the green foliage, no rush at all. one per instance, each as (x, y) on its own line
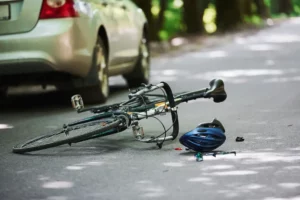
(173, 20)
(254, 19)
(209, 18)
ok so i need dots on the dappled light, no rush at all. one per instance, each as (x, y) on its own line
(57, 198)
(217, 167)
(6, 126)
(282, 79)
(282, 38)
(58, 185)
(149, 189)
(210, 54)
(200, 179)
(43, 178)
(234, 75)
(91, 163)
(231, 173)
(270, 62)
(255, 158)
(173, 164)
(75, 168)
(280, 198)
(292, 167)
(178, 41)
(289, 185)
(262, 47)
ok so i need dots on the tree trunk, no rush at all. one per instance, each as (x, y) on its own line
(262, 9)
(246, 7)
(161, 16)
(228, 14)
(285, 6)
(193, 11)
(146, 7)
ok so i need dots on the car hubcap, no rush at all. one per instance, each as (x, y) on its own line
(103, 77)
(145, 58)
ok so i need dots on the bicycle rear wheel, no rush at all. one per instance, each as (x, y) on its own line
(70, 134)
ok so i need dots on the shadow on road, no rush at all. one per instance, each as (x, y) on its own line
(44, 100)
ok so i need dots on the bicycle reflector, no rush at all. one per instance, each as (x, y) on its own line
(77, 102)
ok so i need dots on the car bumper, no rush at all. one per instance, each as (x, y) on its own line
(53, 45)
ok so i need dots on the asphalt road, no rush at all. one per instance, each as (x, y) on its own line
(261, 73)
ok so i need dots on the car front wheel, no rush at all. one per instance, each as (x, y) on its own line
(98, 93)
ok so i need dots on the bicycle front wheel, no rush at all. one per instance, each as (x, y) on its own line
(70, 134)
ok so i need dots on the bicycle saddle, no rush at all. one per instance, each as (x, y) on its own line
(216, 91)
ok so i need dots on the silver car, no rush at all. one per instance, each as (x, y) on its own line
(73, 44)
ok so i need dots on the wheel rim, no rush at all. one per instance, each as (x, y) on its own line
(145, 61)
(103, 77)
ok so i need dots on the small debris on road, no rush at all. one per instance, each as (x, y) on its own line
(239, 139)
(178, 149)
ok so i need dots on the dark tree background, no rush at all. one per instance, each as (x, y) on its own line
(229, 13)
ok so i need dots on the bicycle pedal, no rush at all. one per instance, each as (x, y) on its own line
(77, 102)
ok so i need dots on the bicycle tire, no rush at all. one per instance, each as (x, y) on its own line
(68, 138)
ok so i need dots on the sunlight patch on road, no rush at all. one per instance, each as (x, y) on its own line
(247, 72)
(294, 149)
(144, 182)
(173, 164)
(282, 38)
(251, 187)
(92, 163)
(292, 167)
(282, 79)
(43, 178)
(178, 41)
(151, 190)
(57, 198)
(5, 126)
(262, 47)
(74, 168)
(269, 62)
(289, 185)
(231, 173)
(210, 54)
(266, 138)
(288, 198)
(199, 179)
(294, 20)
(164, 78)
(262, 168)
(217, 167)
(235, 75)
(240, 40)
(58, 185)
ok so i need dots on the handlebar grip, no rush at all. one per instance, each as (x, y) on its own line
(172, 105)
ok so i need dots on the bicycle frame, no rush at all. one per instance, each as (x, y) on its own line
(141, 111)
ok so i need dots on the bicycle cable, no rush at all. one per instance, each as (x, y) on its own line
(165, 131)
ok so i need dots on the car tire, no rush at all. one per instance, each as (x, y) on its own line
(141, 71)
(98, 93)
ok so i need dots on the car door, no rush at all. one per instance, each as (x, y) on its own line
(127, 31)
(111, 26)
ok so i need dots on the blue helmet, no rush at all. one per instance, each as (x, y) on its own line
(205, 137)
